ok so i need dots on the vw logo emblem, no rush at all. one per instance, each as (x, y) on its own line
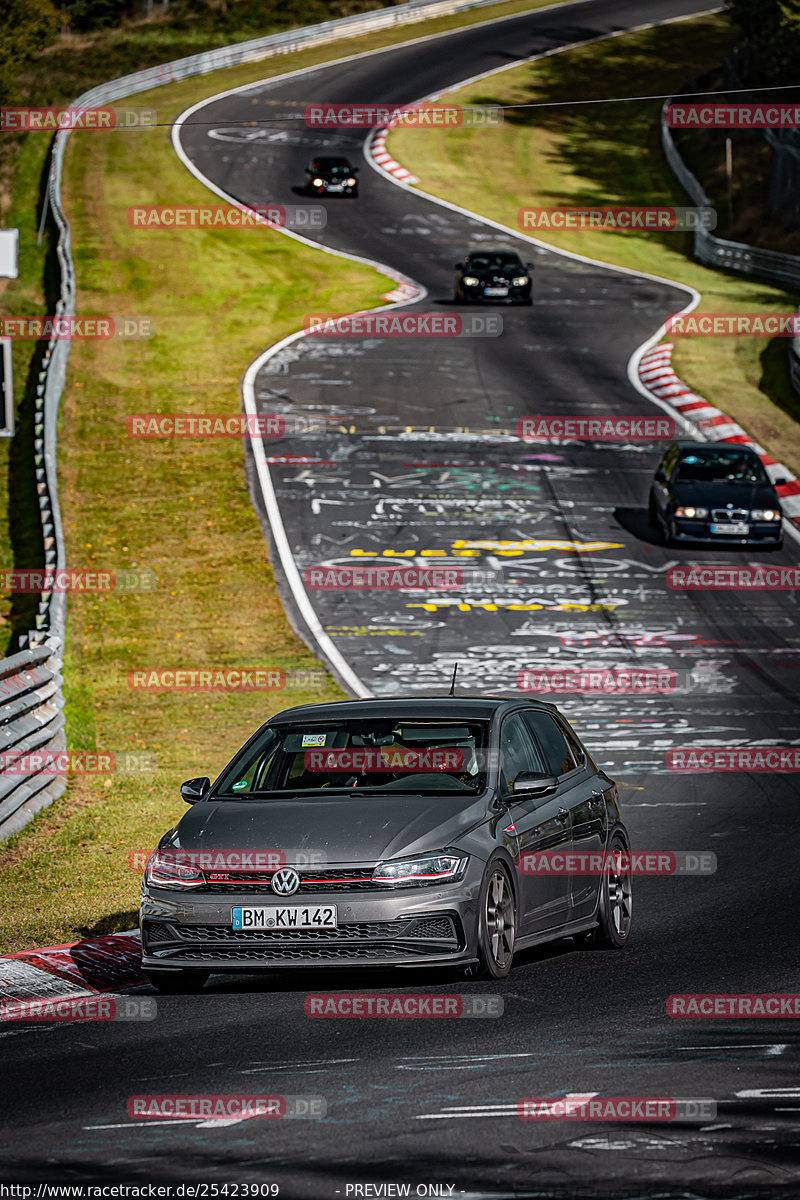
(285, 882)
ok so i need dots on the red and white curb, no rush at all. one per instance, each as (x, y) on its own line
(74, 969)
(379, 154)
(657, 376)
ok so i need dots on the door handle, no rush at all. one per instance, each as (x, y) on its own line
(562, 815)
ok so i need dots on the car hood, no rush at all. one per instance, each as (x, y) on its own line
(340, 829)
(719, 495)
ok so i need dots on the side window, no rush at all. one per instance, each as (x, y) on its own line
(550, 737)
(517, 751)
(574, 745)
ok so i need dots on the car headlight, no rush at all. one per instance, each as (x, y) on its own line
(428, 868)
(690, 512)
(470, 281)
(318, 182)
(520, 281)
(165, 870)
(350, 182)
(765, 514)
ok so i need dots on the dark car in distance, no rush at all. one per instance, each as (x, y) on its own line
(493, 276)
(331, 175)
(715, 492)
(402, 832)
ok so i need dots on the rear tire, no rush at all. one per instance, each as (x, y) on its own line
(497, 924)
(177, 981)
(614, 911)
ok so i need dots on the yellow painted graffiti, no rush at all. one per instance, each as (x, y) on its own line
(465, 549)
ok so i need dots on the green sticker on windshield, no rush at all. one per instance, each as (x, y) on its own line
(239, 786)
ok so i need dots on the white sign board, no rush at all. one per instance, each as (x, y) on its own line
(9, 239)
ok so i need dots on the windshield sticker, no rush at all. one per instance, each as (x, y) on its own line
(239, 786)
(313, 739)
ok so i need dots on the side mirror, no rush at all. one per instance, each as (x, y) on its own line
(459, 266)
(195, 789)
(778, 482)
(529, 266)
(354, 170)
(532, 784)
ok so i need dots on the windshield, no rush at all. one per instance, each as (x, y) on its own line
(361, 757)
(505, 262)
(720, 466)
(334, 166)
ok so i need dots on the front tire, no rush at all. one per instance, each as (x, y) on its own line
(497, 924)
(615, 907)
(652, 514)
(177, 981)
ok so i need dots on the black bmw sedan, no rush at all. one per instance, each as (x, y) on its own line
(715, 492)
(403, 832)
(493, 276)
(331, 175)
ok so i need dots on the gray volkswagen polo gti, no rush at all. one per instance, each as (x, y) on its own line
(402, 832)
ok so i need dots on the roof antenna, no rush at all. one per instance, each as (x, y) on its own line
(452, 691)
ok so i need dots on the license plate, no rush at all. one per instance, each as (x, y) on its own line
(734, 528)
(495, 291)
(292, 916)
(335, 187)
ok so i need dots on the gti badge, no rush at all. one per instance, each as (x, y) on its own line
(285, 882)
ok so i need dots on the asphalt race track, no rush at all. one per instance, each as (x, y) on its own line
(559, 569)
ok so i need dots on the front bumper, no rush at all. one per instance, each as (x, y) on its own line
(762, 533)
(398, 927)
(475, 296)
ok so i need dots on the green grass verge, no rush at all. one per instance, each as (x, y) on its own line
(610, 154)
(180, 508)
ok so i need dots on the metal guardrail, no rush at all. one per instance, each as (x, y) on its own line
(31, 702)
(734, 256)
(31, 721)
(717, 252)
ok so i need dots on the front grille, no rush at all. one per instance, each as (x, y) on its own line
(425, 929)
(409, 936)
(721, 515)
(353, 879)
